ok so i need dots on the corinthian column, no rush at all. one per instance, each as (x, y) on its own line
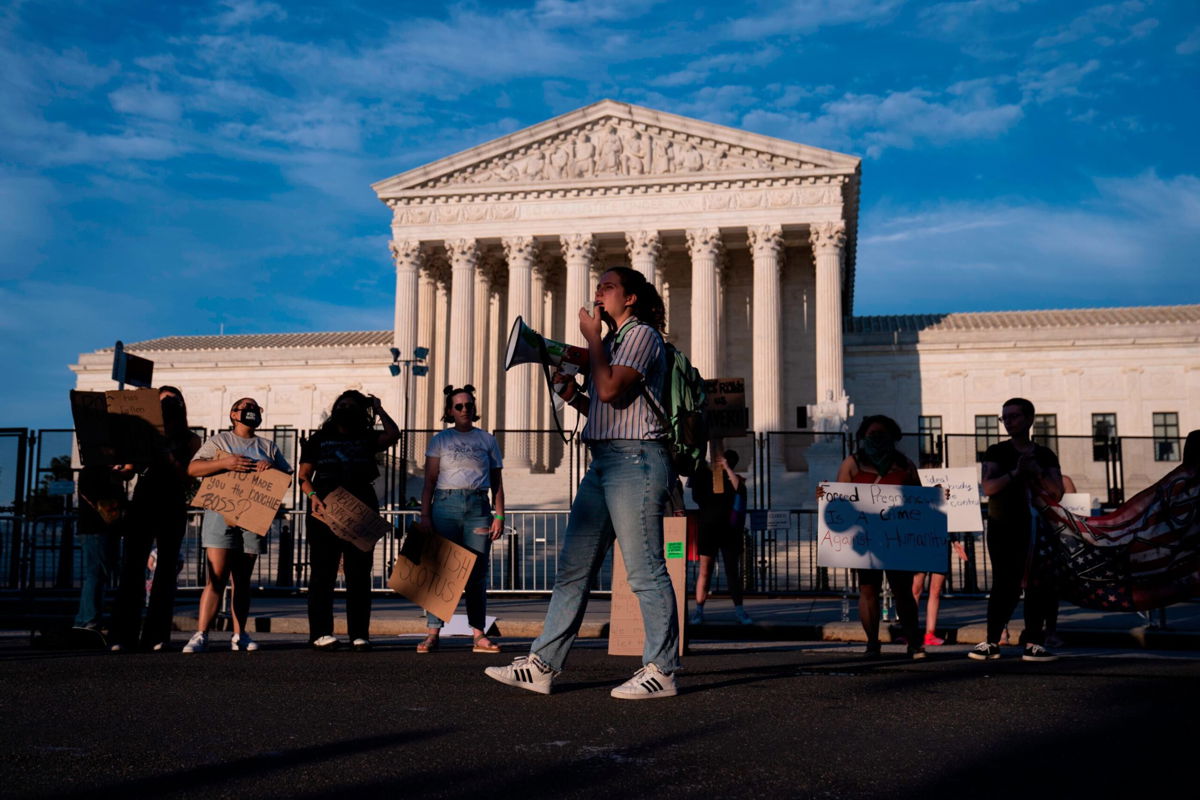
(408, 257)
(423, 387)
(579, 254)
(521, 251)
(483, 363)
(704, 245)
(464, 258)
(829, 242)
(766, 247)
(644, 248)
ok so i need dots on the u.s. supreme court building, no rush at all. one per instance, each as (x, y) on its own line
(751, 241)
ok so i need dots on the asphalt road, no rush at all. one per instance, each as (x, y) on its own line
(763, 721)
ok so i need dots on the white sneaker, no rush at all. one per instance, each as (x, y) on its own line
(242, 641)
(697, 616)
(197, 644)
(742, 616)
(326, 643)
(527, 672)
(646, 683)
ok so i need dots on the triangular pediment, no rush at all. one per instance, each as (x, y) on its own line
(611, 142)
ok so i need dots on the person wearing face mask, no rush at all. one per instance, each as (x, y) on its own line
(462, 464)
(878, 461)
(231, 551)
(341, 454)
(157, 518)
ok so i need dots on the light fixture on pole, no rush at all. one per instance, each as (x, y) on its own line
(413, 366)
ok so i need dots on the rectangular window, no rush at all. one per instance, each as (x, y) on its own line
(987, 433)
(929, 441)
(1104, 429)
(1166, 436)
(1045, 430)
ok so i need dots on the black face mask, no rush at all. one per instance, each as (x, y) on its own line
(250, 417)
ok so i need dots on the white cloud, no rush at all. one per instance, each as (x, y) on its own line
(238, 13)
(956, 17)
(803, 16)
(1110, 17)
(582, 12)
(1190, 43)
(1063, 80)
(147, 101)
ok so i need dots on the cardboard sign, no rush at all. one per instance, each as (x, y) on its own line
(725, 410)
(1078, 503)
(353, 520)
(436, 580)
(626, 634)
(245, 499)
(962, 509)
(117, 427)
(880, 526)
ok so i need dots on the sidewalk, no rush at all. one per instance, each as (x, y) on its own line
(961, 621)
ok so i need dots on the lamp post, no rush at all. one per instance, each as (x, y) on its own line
(409, 366)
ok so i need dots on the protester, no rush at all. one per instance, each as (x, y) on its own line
(462, 464)
(103, 506)
(231, 551)
(878, 461)
(722, 522)
(157, 518)
(937, 581)
(1013, 473)
(624, 493)
(341, 454)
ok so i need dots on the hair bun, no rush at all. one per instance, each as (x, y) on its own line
(448, 390)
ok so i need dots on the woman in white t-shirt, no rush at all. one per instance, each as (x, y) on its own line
(462, 464)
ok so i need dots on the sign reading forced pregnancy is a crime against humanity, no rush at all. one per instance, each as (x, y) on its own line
(880, 526)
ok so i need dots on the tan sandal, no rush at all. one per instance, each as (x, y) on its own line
(485, 645)
(429, 644)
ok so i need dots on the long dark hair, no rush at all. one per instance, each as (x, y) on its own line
(649, 307)
(176, 427)
(359, 399)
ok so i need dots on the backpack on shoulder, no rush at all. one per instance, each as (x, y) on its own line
(683, 417)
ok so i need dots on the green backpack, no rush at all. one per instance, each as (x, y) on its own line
(687, 430)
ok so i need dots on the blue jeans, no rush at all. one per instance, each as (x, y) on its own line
(622, 496)
(98, 554)
(457, 515)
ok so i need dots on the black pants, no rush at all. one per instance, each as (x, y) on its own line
(324, 551)
(906, 605)
(149, 526)
(1008, 550)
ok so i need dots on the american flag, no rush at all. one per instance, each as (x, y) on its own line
(1144, 555)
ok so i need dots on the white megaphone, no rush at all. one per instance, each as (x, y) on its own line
(527, 346)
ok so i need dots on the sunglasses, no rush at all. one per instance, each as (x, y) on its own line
(463, 406)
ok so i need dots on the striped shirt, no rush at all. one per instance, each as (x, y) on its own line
(630, 416)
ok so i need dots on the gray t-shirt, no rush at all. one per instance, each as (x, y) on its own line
(256, 447)
(467, 459)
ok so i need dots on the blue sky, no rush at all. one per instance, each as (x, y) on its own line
(166, 168)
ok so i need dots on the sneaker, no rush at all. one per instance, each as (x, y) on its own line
(158, 647)
(648, 682)
(742, 617)
(933, 640)
(360, 645)
(985, 651)
(197, 644)
(527, 672)
(326, 643)
(697, 616)
(242, 641)
(917, 653)
(117, 648)
(874, 650)
(1035, 652)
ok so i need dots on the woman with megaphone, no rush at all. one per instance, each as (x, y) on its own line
(624, 493)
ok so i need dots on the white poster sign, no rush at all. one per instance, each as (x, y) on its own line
(1078, 503)
(962, 508)
(881, 526)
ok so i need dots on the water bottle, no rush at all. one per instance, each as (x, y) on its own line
(845, 606)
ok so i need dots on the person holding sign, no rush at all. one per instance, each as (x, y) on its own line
(462, 464)
(157, 518)
(342, 454)
(878, 461)
(623, 495)
(722, 524)
(231, 551)
(1013, 472)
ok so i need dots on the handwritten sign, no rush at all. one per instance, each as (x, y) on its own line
(246, 499)
(117, 427)
(626, 634)
(962, 508)
(436, 580)
(353, 520)
(1078, 503)
(725, 409)
(880, 526)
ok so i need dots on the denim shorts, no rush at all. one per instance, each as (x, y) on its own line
(216, 533)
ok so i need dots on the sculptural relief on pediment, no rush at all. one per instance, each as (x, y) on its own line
(615, 148)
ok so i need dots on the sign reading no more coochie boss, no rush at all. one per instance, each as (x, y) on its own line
(880, 526)
(247, 500)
